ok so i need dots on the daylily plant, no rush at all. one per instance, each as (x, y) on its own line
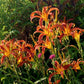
(52, 35)
(18, 50)
(53, 31)
(44, 14)
(61, 68)
(6, 49)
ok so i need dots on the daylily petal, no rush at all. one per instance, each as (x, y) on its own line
(51, 9)
(2, 59)
(57, 63)
(41, 21)
(34, 16)
(19, 60)
(51, 75)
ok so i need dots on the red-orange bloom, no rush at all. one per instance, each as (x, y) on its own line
(25, 52)
(75, 65)
(6, 48)
(43, 44)
(46, 31)
(77, 32)
(18, 50)
(51, 75)
(69, 29)
(59, 69)
(44, 14)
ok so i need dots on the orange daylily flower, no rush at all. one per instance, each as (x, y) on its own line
(28, 58)
(23, 46)
(70, 30)
(6, 48)
(67, 28)
(20, 50)
(25, 52)
(60, 68)
(44, 14)
(41, 43)
(77, 32)
(47, 31)
(24, 59)
(75, 65)
(46, 43)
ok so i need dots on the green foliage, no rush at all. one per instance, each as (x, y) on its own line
(68, 8)
(15, 23)
(15, 14)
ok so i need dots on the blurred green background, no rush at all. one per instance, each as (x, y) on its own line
(15, 15)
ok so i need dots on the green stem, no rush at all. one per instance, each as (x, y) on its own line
(55, 20)
(14, 69)
(66, 77)
(46, 24)
(80, 49)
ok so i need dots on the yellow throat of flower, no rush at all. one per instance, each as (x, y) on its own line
(48, 45)
(7, 53)
(77, 36)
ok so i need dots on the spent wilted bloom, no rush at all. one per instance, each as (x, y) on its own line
(52, 56)
(64, 60)
(39, 55)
